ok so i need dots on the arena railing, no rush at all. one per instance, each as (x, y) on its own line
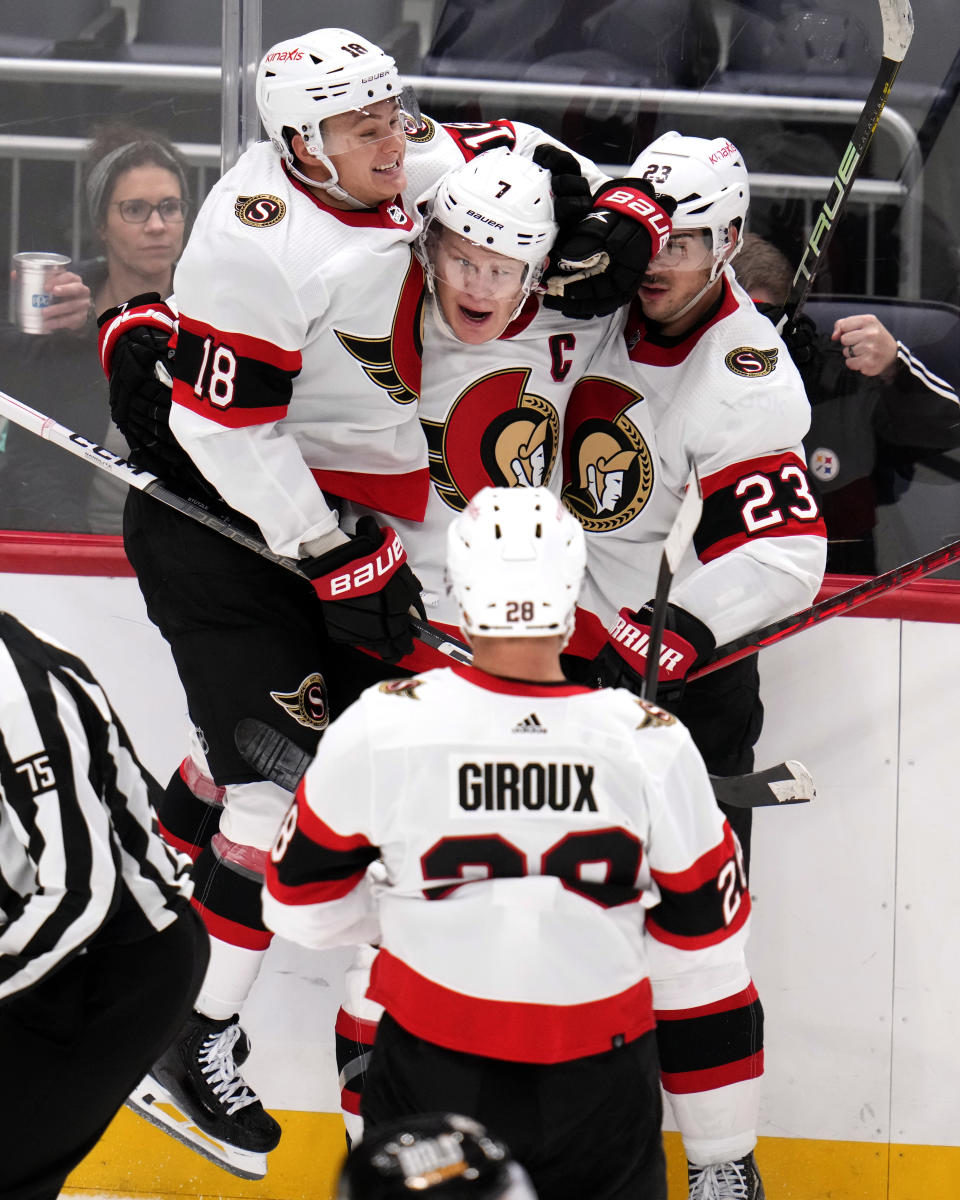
(907, 190)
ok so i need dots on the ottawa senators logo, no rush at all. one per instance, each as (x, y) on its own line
(750, 363)
(401, 687)
(654, 716)
(607, 466)
(424, 132)
(495, 434)
(260, 212)
(395, 363)
(308, 704)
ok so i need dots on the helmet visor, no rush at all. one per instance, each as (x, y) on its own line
(360, 128)
(472, 269)
(687, 250)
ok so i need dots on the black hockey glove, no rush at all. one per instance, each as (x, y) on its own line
(799, 335)
(571, 192)
(598, 266)
(136, 359)
(686, 643)
(367, 590)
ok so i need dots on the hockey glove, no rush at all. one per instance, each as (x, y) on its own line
(571, 192)
(367, 591)
(136, 359)
(622, 662)
(799, 335)
(600, 263)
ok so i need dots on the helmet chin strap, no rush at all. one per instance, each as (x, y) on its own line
(714, 276)
(331, 186)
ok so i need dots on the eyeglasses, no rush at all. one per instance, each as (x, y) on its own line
(136, 212)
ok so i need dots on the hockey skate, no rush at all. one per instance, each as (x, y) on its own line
(735, 1180)
(195, 1093)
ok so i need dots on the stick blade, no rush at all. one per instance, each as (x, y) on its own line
(271, 753)
(897, 17)
(787, 783)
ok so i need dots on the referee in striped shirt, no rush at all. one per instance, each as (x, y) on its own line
(101, 955)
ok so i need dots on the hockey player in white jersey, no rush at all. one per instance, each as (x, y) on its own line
(693, 377)
(296, 376)
(498, 368)
(560, 906)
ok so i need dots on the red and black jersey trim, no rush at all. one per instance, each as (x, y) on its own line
(474, 137)
(703, 905)
(232, 378)
(316, 864)
(711, 1046)
(765, 497)
(645, 344)
(228, 901)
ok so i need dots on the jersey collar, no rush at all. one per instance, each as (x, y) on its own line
(645, 344)
(516, 687)
(389, 214)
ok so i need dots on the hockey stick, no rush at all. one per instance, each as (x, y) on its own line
(281, 761)
(674, 547)
(842, 602)
(897, 18)
(105, 460)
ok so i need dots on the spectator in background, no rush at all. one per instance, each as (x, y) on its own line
(873, 403)
(136, 191)
(100, 952)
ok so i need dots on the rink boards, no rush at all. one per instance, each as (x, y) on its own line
(854, 948)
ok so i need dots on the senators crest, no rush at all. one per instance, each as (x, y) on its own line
(608, 472)
(260, 212)
(308, 704)
(654, 716)
(395, 363)
(750, 363)
(495, 434)
(401, 687)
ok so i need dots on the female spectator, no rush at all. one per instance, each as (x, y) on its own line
(136, 191)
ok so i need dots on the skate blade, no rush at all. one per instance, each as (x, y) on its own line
(155, 1104)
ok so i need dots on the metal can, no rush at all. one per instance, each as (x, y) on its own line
(36, 272)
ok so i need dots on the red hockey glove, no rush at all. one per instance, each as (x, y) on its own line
(367, 590)
(600, 263)
(622, 662)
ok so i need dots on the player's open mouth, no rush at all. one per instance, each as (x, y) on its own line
(474, 315)
(394, 166)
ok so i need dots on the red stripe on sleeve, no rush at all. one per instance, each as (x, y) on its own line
(728, 1004)
(714, 1077)
(244, 345)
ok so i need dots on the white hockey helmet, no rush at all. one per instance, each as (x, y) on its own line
(709, 182)
(304, 80)
(515, 563)
(500, 201)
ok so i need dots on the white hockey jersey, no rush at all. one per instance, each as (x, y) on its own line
(555, 869)
(299, 348)
(726, 399)
(493, 415)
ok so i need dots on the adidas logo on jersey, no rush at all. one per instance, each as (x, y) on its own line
(529, 724)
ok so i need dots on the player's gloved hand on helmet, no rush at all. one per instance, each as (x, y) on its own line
(367, 590)
(571, 191)
(686, 643)
(598, 265)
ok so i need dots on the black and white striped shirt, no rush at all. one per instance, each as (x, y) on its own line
(80, 858)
